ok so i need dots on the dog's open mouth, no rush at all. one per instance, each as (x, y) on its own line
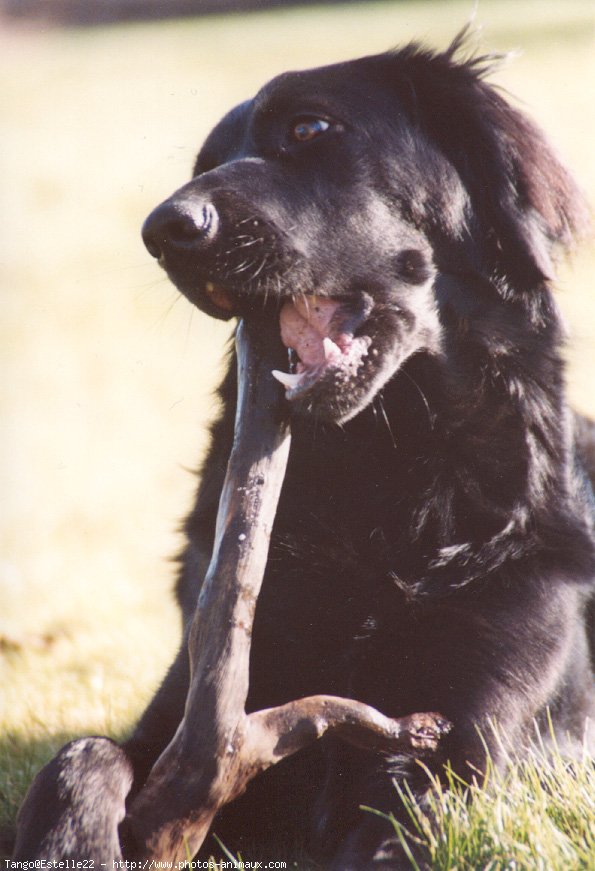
(320, 335)
(336, 351)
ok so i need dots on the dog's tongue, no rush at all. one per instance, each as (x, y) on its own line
(305, 327)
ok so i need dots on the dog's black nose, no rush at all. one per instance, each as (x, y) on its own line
(179, 226)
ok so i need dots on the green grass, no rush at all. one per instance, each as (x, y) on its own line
(538, 816)
(108, 375)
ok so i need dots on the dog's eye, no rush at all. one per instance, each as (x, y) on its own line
(307, 129)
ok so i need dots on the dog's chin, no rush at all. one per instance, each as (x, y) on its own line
(338, 394)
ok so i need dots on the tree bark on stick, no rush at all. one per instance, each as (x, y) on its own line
(218, 748)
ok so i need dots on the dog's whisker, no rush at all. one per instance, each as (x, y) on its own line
(261, 267)
(247, 244)
(423, 396)
(386, 420)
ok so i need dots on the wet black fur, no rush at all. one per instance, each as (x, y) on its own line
(435, 551)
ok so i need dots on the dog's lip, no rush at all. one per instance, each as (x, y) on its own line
(219, 296)
(321, 333)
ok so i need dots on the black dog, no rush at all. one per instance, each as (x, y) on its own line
(394, 218)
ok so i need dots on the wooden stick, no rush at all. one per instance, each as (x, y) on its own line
(218, 748)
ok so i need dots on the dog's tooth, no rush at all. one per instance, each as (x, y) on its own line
(288, 380)
(331, 351)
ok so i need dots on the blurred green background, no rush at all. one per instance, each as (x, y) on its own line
(107, 374)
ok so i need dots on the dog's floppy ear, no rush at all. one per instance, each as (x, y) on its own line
(524, 201)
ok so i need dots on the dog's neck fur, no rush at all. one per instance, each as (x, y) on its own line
(463, 478)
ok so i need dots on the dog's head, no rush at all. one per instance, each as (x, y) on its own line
(345, 199)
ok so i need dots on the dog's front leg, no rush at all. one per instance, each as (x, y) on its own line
(75, 804)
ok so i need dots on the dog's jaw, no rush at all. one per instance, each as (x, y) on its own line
(320, 333)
